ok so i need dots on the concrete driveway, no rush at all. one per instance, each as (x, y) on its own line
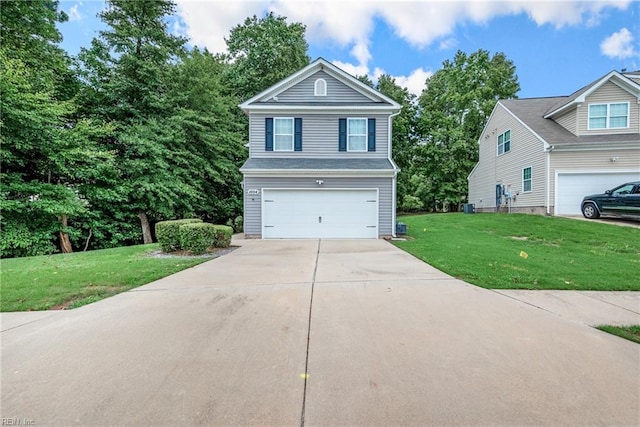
(317, 333)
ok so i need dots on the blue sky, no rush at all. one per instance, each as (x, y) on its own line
(557, 46)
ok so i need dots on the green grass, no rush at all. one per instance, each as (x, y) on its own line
(72, 280)
(518, 251)
(631, 333)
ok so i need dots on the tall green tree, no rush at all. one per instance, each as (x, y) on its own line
(127, 73)
(209, 135)
(263, 51)
(46, 153)
(453, 109)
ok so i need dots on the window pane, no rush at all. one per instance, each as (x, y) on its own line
(597, 123)
(357, 127)
(618, 109)
(618, 122)
(526, 173)
(357, 143)
(507, 146)
(598, 110)
(283, 143)
(500, 149)
(507, 135)
(527, 185)
(500, 139)
(284, 126)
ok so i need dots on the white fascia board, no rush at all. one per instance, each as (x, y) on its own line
(334, 173)
(381, 109)
(600, 146)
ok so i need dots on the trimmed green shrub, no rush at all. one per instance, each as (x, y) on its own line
(197, 237)
(236, 224)
(223, 235)
(168, 233)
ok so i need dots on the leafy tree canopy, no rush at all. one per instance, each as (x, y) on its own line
(263, 51)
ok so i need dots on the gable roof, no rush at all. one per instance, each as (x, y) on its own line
(531, 113)
(580, 95)
(321, 64)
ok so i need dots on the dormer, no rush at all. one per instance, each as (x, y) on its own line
(609, 105)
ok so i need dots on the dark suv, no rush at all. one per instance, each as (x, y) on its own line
(623, 200)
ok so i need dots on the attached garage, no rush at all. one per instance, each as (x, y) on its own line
(572, 187)
(320, 213)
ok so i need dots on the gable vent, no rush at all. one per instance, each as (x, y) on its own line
(320, 88)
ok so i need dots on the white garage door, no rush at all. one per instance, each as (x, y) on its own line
(300, 214)
(572, 187)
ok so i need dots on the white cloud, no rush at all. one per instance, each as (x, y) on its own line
(618, 45)
(74, 13)
(350, 23)
(354, 70)
(448, 43)
(207, 23)
(414, 82)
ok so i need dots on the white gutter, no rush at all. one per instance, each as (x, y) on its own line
(395, 177)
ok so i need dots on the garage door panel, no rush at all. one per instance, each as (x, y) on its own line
(320, 213)
(572, 187)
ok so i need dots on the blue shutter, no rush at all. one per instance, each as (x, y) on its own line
(371, 137)
(342, 134)
(297, 134)
(268, 134)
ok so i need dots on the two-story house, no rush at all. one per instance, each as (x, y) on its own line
(543, 155)
(319, 161)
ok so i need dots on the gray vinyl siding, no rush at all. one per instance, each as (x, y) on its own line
(336, 91)
(253, 203)
(568, 121)
(609, 93)
(526, 151)
(319, 136)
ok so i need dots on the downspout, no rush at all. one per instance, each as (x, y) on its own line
(547, 197)
(395, 175)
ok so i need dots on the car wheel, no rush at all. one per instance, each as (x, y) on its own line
(590, 211)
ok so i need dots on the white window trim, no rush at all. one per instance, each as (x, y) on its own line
(498, 143)
(366, 134)
(293, 131)
(607, 117)
(320, 83)
(530, 179)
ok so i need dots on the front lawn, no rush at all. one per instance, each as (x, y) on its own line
(72, 280)
(518, 251)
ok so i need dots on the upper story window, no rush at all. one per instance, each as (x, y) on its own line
(609, 116)
(283, 134)
(504, 142)
(357, 135)
(526, 180)
(320, 88)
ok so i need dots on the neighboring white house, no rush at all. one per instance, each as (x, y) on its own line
(319, 161)
(543, 155)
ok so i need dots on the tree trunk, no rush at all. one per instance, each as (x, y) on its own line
(146, 229)
(65, 242)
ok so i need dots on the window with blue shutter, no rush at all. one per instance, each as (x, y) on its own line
(297, 139)
(342, 134)
(371, 137)
(268, 134)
